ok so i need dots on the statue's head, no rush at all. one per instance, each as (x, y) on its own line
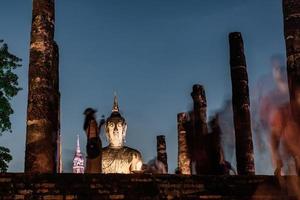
(115, 127)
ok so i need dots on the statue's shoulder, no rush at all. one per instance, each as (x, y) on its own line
(104, 148)
(132, 151)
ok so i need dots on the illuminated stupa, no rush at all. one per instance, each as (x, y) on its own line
(78, 161)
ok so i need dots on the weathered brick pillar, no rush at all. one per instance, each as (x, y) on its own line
(291, 12)
(56, 94)
(43, 93)
(200, 130)
(241, 106)
(162, 150)
(184, 157)
(199, 100)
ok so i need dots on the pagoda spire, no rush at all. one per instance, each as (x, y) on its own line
(78, 145)
(115, 105)
(78, 160)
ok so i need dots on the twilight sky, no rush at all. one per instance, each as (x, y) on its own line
(150, 51)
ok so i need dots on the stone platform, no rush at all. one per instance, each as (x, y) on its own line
(146, 186)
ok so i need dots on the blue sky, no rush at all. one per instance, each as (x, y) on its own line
(150, 52)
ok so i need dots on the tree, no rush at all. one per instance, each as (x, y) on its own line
(8, 89)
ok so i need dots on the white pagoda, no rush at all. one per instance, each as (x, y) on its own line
(78, 161)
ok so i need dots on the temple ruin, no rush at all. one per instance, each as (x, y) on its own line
(241, 106)
(162, 151)
(43, 123)
(203, 172)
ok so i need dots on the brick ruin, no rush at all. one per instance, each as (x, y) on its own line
(241, 106)
(291, 14)
(184, 156)
(145, 186)
(162, 151)
(42, 155)
(199, 150)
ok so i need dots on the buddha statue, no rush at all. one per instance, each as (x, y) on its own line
(117, 158)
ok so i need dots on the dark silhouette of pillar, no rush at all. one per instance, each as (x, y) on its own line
(184, 157)
(41, 154)
(241, 106)
(291, 12)
(94, 143)
(199, 154)
(162, 151)
(200, 119)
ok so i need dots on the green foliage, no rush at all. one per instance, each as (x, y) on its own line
(5, 158)
(8, 85)
(8, 89)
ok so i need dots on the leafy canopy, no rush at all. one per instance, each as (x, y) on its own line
(8, 89)
(8, 85)
(5, 158)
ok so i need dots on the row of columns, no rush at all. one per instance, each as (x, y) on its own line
(195, 146)
(43, 120)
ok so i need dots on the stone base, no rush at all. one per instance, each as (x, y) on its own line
(146, 186)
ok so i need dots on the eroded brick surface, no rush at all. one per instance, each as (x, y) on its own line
(146, 186)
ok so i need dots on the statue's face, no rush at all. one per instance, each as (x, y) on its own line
(116, 132)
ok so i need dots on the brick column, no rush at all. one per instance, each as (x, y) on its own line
(241, 106)
(43, 93)
(184, 157)
(200, 130)
(162, 151)
(291, 12)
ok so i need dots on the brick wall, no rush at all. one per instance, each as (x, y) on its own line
(145, 186)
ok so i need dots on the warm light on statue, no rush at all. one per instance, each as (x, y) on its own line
(116, 133)
(117, 158)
